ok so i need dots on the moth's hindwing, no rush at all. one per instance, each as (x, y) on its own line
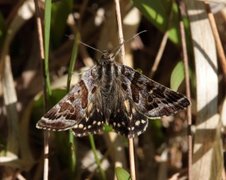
(92, 124)
(127, 120)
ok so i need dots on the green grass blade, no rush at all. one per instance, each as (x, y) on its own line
(47, 88)
(72, 151)
(47, 21)
(73, 60)
(101, 171)
(70, 72)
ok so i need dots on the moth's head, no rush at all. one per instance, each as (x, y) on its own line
(106, 58)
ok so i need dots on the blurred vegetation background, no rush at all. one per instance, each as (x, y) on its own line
(162, 151)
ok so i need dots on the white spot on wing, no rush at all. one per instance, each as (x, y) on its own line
(80, 126)
(137, 123)
(143, 121)
(138, 133)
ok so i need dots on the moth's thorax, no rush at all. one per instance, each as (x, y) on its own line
(109, 72)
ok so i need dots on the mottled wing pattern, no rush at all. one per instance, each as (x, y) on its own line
(67, 112)
(78, 109)
(90, 125)
(150, 98)
(94, 120)
(127, 120)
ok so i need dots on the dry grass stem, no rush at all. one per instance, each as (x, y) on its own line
(132, 159)
(120, 30)
(161, 48)
(188, 92)
(219, 45)
(159, 55)
(46, 155)
(121, 40)
(40, 30)
(41, 49)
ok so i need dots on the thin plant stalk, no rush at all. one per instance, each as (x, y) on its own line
(162, 46)
(101, 171)
(47, 22)
(45, 65)
(47, 89)
(122, 54)
(188, 94)
(120, 31)
(46, 155)
(219, 46)
(187, 82)
(70, 73)
(72, 61)
(132, 159)
(159, 54)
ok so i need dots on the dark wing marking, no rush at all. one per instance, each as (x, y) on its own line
(127, 120)
(92, 124)
(74, 107)
(151, 98)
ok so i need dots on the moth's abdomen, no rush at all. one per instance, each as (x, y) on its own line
(108, 76)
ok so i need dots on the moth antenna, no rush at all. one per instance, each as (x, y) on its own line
(134, 36)
(118, 48)
(91, 47)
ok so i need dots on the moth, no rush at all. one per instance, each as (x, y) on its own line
(114, 94)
